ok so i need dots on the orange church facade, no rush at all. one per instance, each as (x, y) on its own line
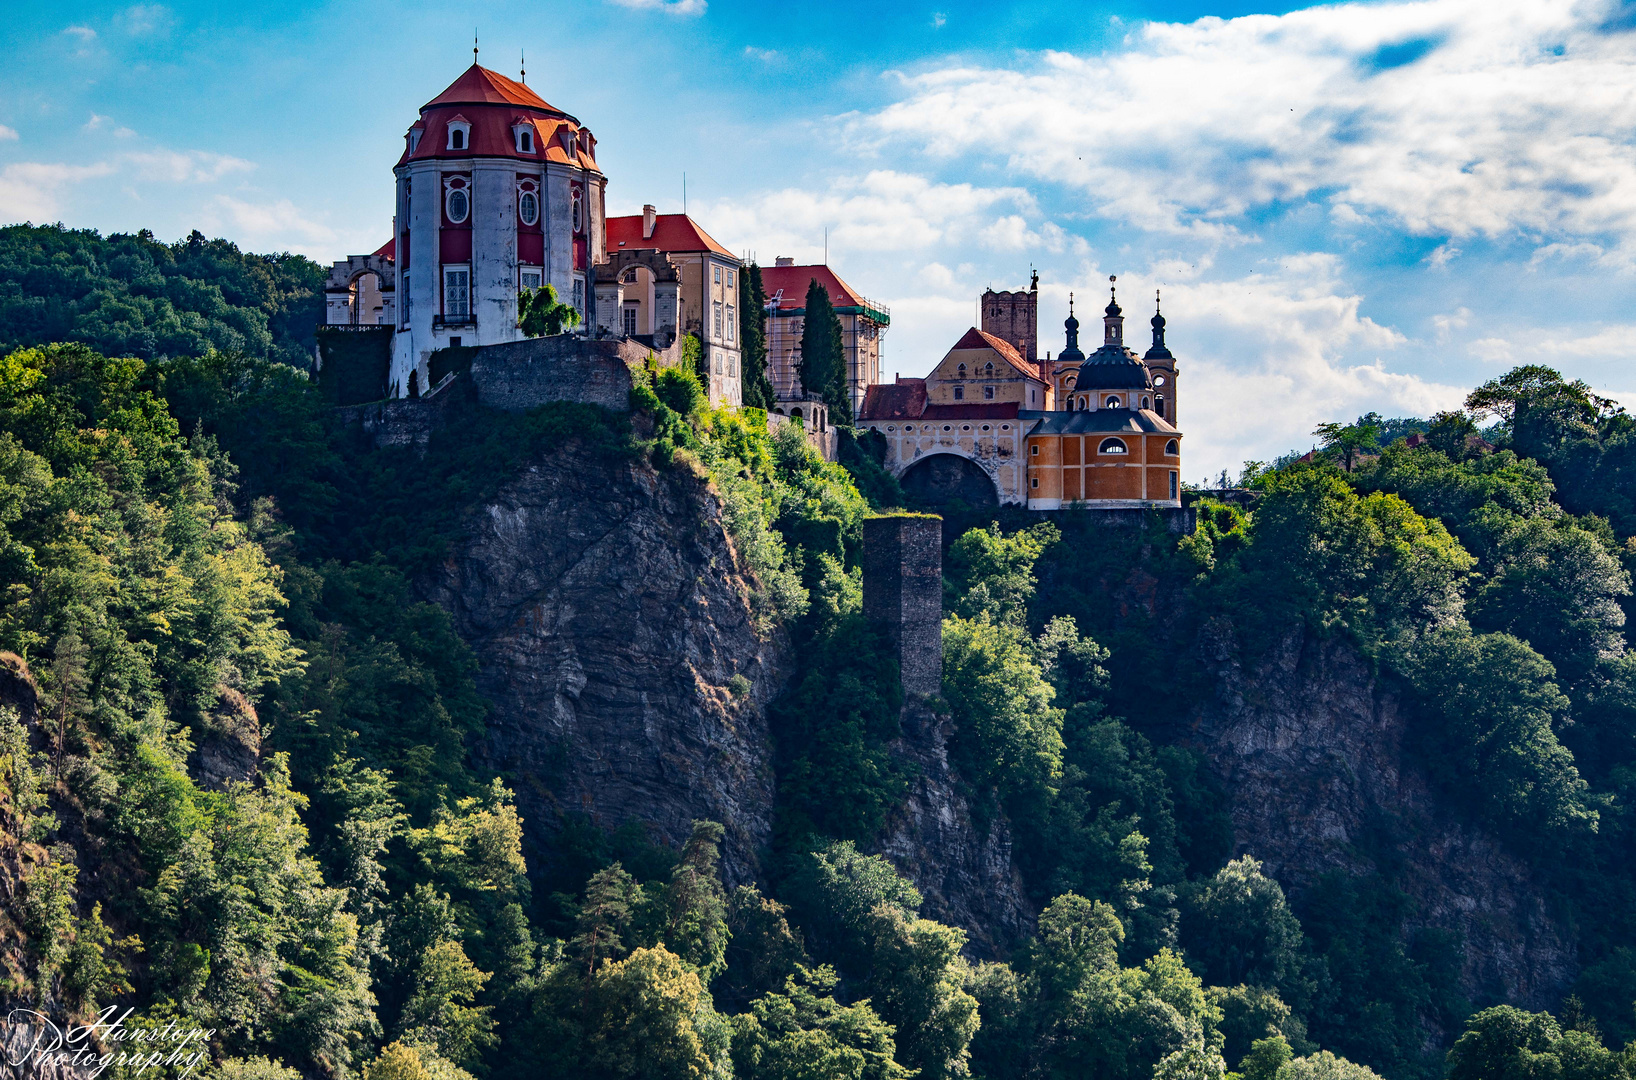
(992, 422)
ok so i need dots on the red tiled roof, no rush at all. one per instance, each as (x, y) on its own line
(793, 280)
(388, 250)
(671, 232)
(480, 86)
(978, 339)
(905, 399)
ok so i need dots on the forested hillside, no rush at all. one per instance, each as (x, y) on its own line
(242, 787)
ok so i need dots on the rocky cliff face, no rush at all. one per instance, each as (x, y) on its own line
(609, 618)
(1313, 750)
(963, 871)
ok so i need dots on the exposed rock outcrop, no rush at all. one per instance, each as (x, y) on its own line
(227, 741)
(963, 870)
(609, 619)
(1313, 749)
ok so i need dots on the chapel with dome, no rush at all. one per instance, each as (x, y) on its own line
(994, 424)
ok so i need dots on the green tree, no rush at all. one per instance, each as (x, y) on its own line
(752, 305)
(1237, 927)
(541, 314)
(802, 1033)
(1347, 441)
(822, 365)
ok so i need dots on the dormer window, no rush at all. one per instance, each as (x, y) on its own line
(414, 139)
(525, 139)
(459, 134)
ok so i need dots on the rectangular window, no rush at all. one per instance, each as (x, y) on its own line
(717, 307)
(988, 393)
(529, 278)
(718, 275)
(1173, 485)
(456, 292)
(730, 334)
(960, 393)
(1034, 481)
(579, 293)
(630, 321)
(1034, 450)
(729, 279)
(732, 366)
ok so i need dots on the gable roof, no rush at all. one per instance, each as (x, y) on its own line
(671, 232)
(978, 339)
(480, 86)
(792, 282)
(904, 399)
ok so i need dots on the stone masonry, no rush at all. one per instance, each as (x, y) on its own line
(903, 591)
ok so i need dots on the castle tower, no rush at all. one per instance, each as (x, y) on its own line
(497, 191)
(1162, 365)
(1014, 317)
(903, 593)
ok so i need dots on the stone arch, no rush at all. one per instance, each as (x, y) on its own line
(359, 291)
(943, 477)
(654, 295)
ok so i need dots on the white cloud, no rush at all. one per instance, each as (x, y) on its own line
(766, 56)
(883, 211)
(1453, 118)
(1493, 350)
(1445, 325)
(84, 33)
(191, 166)
(30, 190)
(7, 134)
(669, 7)
(106, 124)
(141, 20)
(277, 225)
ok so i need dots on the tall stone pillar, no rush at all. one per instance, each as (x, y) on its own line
(903, 593)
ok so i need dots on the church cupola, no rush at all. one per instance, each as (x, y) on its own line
(1159, 351)
(1113, 320)
(1071, 355)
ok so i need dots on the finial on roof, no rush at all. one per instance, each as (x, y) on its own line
(1070, 305)
(522, 66)
(474, 45)
(1113, 296)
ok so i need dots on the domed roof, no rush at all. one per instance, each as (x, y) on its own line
(1113, 367)
(493, 109)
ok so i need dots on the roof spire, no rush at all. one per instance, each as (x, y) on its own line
(522, 66)
(1159, 350)
(474, 45)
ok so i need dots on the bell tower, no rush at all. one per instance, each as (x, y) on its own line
(1014, 317)
(1162, 365)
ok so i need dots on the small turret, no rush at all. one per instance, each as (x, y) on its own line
(1159, 351)
(1113, 321)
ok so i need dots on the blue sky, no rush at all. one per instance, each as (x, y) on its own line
(1348, 207)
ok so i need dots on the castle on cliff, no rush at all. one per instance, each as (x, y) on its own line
(498, 193)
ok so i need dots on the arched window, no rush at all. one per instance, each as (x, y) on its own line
(1159, 404)
(459, 133)
(1112, 402)
(525, 140)
(1145, 403)
(988, 369)
(960, 371)
(1112, 446)
(1171, 449)
(1084, 403)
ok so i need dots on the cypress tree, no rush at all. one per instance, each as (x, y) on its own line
(823, 356)
(752, 305)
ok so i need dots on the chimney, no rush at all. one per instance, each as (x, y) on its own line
(648, 218)
(783, 260)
